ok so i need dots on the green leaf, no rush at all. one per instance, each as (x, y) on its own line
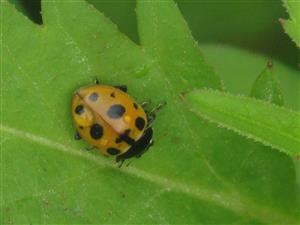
(266, 87)
(195, 172)
(292, 25)
(274, 126)
(176, 45)
(250, 65)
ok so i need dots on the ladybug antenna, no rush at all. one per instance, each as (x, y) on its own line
(158, 107)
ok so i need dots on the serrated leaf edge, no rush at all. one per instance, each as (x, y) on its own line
(223, 125)
(290, 20)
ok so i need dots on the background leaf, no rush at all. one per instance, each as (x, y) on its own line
(292, 25)
(208, 24)
(239, 77)
(195, 173)
(270, 91)
(274, 126)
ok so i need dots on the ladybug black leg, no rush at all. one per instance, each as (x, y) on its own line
(129, 163)
(77, 136)
(151, 115)
(96, 81)
(121, 162)
(150, 118)
(122, 88)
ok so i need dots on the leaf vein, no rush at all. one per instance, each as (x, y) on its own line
(231, 201)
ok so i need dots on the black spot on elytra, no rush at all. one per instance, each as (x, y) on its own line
(140, 123)
(79, 109)
(93, 97)
(81, 127)
(135, 105)
(113, 151)
(96, 131)
(113, 95)
(116, 111)
(126, 137)
(118, 140)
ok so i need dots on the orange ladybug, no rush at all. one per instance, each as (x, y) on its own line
(109, 119)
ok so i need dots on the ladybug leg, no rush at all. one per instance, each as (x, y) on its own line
(77, 136)
(150, 118)
(121, 162)
(122, 88)
(96, 81)
(129, 163)
(151, 115)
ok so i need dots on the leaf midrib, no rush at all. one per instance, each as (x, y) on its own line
(233, 201)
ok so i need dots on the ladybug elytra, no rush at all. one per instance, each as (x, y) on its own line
(112, 121)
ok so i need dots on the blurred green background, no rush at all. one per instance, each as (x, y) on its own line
(248, 24)
(236, 37)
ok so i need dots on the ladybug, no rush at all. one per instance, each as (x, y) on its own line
(110, 120)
